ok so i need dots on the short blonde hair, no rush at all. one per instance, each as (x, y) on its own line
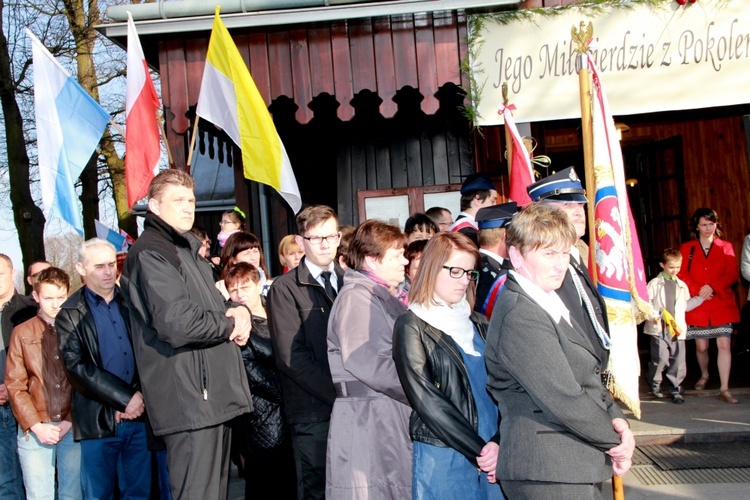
(540, 225)
(437, 252)
(288, 244)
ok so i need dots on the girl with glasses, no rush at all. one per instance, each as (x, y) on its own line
(438, 347)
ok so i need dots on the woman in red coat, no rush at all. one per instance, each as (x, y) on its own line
(709, 268)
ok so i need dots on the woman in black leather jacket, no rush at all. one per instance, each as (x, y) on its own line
(261, 438)
(438, 347)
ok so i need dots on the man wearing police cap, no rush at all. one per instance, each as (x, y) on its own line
(564, 190)
(491, 222)
(477, 192)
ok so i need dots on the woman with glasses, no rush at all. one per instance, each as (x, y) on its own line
(438, 348)
(369, 452)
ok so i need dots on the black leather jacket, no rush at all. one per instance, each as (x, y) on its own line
(265, 428)
(435, 380)
(97, 393)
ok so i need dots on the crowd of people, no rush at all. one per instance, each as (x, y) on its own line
(453, 358)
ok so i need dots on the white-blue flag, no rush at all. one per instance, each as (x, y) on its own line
(69, 125)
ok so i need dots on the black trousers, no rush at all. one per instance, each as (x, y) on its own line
(198, 463)
(309, 442)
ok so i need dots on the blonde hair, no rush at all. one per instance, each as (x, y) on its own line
(288, 244)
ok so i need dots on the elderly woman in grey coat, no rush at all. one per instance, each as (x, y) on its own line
(561, 435)
(369, 450)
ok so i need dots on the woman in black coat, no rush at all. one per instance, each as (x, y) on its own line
(261, 438)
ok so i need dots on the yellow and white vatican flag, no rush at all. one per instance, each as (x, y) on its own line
(230, 100)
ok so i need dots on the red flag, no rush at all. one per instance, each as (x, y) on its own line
(521, 172)
(142, 142)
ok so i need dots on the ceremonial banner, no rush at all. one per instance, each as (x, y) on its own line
(619, 264)
(655, 57)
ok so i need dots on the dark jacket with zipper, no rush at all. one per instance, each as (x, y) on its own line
(97, 393)
(435, 380)
(265, 428)
(298, 311)
(191, 374)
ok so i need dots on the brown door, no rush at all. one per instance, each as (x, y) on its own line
(657, 197)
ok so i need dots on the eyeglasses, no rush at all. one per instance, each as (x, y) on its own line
(221, 223)
(445, 223)
(457, 273)
(317, 240)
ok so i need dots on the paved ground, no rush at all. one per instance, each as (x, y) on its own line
(703, 418)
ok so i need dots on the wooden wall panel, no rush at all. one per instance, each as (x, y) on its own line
(446, 40)
(426, 65)
(715, 165)
(404, 51)
(342, 70)
(301, 79)
(280, 64)
(321, 60)
(385, 65)
(362, 55)
(195, 57)
(259, 67)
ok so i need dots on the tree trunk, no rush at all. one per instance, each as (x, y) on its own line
(90, 197)
(116, 167)
(28, 217)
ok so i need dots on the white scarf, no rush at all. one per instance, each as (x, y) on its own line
(452, 320)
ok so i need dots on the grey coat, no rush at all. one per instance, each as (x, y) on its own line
(369, 449)
(556, 417)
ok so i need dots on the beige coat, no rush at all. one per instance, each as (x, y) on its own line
(369, 449)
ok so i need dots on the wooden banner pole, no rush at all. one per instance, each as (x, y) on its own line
(192, 144)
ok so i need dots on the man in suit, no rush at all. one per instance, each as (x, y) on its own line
(299, 303)
(491, 222)
(562, 435)
(477, 191)
(563, 190)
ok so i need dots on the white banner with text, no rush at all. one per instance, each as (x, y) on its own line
(651, 58)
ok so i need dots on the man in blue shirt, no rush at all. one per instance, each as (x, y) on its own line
(107, 404)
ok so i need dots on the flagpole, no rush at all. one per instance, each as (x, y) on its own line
(117, 127)
(192, 143)
(582, 37)
(164, 138)
(508, 138)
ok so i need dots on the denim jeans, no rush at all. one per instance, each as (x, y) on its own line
(38, 463)
(11, 480)
(124, 457)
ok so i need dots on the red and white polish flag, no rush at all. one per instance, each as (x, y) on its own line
(142, 140)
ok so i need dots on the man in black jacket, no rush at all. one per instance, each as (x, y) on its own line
(94, 336)
(186, 342)
(299, 303)
(14, 310)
